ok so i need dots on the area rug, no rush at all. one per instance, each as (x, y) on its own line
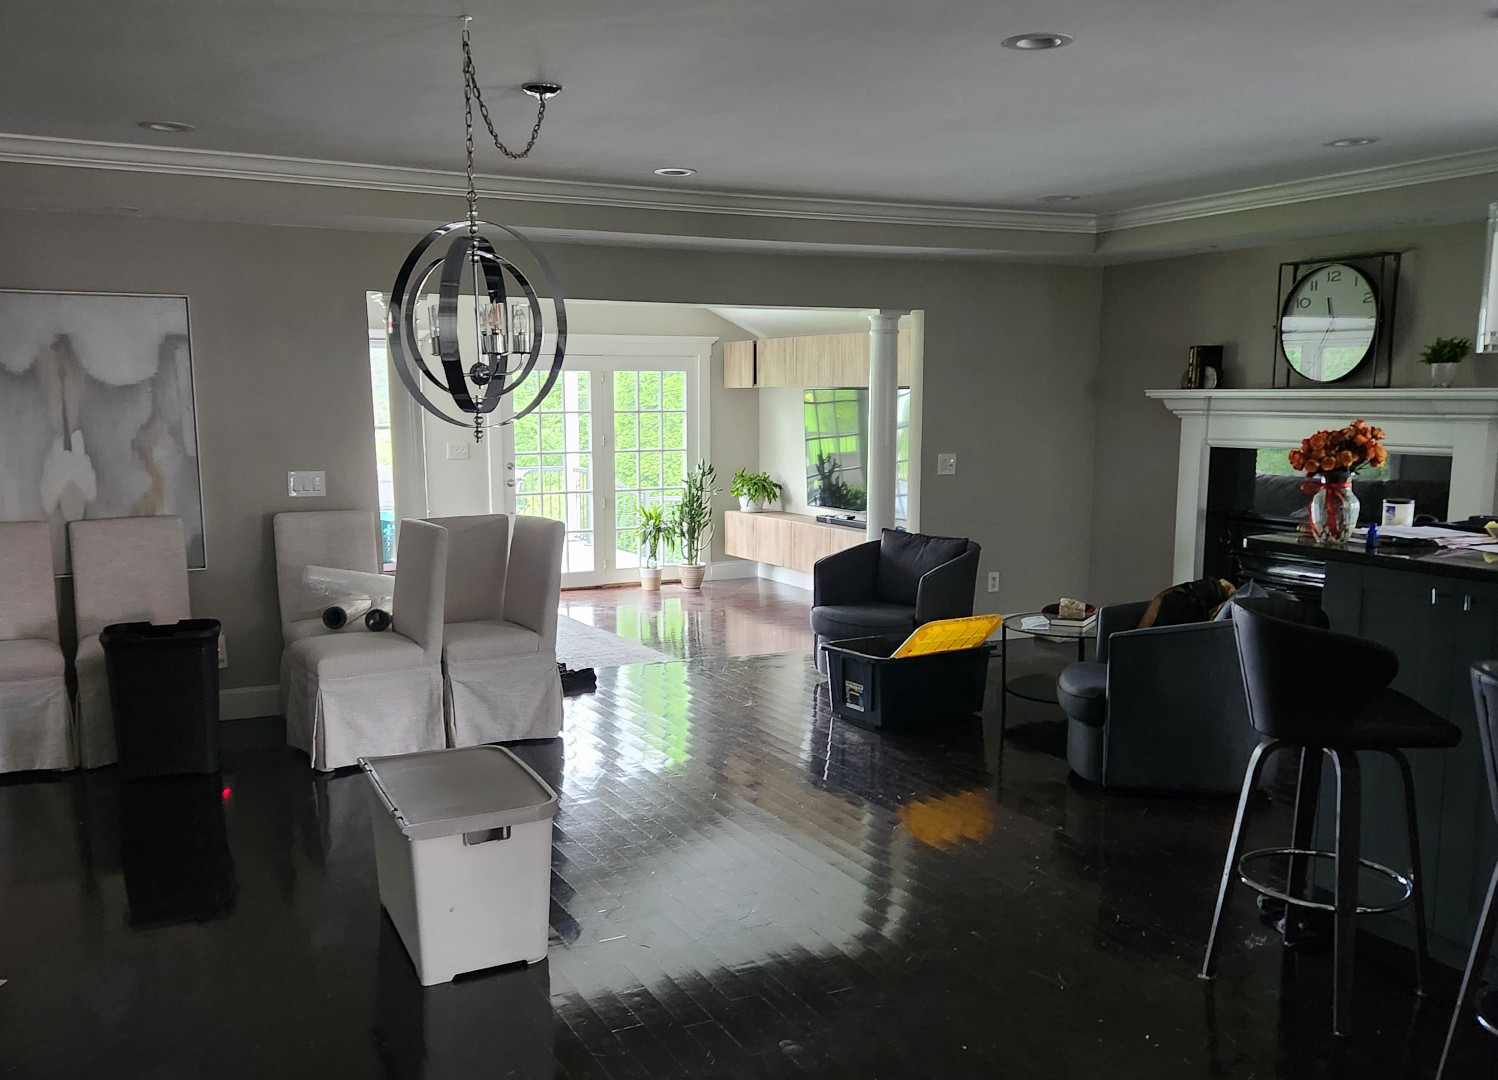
(581, 646)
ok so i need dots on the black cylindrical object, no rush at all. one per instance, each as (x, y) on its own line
(377, 620)
(163, 690)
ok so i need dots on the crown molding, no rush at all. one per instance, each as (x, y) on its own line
(186, 161)
(1355, 182)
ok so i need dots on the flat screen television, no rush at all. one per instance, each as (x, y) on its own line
(837, 449)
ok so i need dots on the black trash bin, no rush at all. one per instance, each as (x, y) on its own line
(163, 690)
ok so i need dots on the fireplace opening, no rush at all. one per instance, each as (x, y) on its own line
(1254, 490)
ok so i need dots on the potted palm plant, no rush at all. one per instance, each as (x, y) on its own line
(655, 530)
(692, 521)
(755, 491)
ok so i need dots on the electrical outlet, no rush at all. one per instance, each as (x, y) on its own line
(946, 464)
(993, 581)
(457, 451)
(223, 650)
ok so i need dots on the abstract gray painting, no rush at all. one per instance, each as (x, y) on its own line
(96, 412)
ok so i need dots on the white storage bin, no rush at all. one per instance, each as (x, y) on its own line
(463, 852)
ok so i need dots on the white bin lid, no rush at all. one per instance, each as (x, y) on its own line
(443, 792)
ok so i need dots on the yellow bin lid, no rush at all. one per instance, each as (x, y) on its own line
(949, 635)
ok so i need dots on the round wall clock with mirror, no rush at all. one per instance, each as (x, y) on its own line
(1329, 322)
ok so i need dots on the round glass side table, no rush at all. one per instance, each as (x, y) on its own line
(1035, 686)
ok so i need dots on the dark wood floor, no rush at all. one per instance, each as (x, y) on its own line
(742, 886)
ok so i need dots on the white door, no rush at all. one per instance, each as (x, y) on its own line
(618, 431)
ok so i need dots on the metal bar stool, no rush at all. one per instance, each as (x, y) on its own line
(1485, 696)
(1351, 711)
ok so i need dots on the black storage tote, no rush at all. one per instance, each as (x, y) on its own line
(871, 689)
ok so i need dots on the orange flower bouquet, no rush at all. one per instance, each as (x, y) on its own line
(1329, 459)
(1342, 450)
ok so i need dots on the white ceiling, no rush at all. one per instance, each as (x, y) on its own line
(876, 99)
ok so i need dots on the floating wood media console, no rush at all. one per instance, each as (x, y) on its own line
(795, 541)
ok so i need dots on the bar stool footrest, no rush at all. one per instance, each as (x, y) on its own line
(1266, 889)
(1487, 1010)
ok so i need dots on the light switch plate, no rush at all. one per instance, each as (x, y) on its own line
(946, 464)
(302, 485)
(457, 451)
(993, 581)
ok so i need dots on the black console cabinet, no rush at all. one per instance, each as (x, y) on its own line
(1439, 623)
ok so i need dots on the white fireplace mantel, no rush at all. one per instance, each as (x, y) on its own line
(1460, 424)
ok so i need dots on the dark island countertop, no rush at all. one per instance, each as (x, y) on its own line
(1447, 562)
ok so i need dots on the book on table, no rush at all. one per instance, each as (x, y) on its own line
(1074, 624)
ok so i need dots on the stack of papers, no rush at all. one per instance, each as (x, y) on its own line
(1447, 538)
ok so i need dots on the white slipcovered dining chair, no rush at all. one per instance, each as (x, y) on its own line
(499, 651)
(343, 539)
(35, 716)
(124, 570)
(363, 694)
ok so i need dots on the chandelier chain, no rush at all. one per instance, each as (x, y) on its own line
(471, 90)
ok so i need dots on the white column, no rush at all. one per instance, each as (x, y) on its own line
(884, 390)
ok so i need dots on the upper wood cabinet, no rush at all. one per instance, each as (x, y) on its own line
(820, 360)
(738, 364)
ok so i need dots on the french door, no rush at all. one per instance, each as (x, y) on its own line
(617, 432)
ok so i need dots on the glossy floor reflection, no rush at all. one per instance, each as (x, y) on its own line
(742, 886)
(736, 617)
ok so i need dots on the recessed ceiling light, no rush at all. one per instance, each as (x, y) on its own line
(1034, 42)
(1359, 140)
(674, 171)
(169, 127)
(1059, 198)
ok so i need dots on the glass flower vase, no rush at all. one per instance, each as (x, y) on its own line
(1334, 509)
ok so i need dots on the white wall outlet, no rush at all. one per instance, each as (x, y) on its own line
(457, 451)
(946, 464)
(302, 485)
(223, 650)
(993, 581)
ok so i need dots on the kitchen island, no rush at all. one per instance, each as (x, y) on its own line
(1438, 610)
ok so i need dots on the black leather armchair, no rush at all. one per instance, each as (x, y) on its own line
(889, 586)
(1164, 709)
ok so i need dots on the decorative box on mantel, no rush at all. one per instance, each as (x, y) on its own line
(1461, 424)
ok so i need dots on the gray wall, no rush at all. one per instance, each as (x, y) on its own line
(1153, 311)
(282, 372)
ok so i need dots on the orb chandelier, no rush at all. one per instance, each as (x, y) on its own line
(465, 324)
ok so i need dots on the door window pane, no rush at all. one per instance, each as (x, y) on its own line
(649, 417)
(553, 464)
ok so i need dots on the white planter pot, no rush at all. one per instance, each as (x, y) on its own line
(650, 578)
(1442, 374)
(748, 505)
(691, 576)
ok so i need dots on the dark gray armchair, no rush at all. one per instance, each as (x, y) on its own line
(1163, 709)
(888, 587)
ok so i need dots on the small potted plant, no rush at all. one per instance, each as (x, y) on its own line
(692, 523)
(655, 530)
(755, 491)
(1443, 354)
